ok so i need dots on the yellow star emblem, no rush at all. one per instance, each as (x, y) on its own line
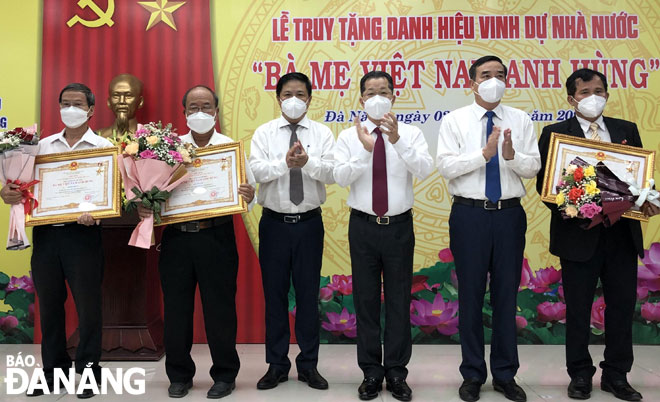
(161, 10)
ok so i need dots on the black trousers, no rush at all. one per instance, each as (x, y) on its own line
(485, 242)
(382, 251)
(291, 252)
(207, 258)
(72, 253)
(615, 263)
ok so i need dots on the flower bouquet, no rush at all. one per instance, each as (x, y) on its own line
(578, 195)
(151, 167)
(596, 193)
(18, 148)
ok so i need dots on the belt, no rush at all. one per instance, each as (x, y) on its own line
(292, 218)
(196, 226)
(382, 220)
(486, 204)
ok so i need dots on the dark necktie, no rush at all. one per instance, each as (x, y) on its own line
(493, 187)
(379, 186)
(295, 174)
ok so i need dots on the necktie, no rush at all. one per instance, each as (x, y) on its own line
(295, 174)
(493, 187)
(593, 128)
(379, 185)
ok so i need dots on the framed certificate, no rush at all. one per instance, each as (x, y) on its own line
(71, 183)
(211, 188)
(628, 163)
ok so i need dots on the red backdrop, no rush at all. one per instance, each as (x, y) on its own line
(168, 62)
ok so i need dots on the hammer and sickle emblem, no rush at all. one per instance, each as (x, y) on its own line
(105, 17)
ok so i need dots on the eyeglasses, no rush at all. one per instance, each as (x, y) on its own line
(195, 109)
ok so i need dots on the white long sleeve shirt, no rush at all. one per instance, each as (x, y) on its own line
(461, 140)
(408, 157)
(270, 144)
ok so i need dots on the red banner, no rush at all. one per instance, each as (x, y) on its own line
(167, 45)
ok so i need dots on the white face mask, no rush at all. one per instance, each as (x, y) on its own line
(377, 107)
(591, 106)
(73, 117)
(200, 122)
(491, 90)
(293, 108)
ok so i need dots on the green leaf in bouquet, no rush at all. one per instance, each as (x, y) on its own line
(136, 191)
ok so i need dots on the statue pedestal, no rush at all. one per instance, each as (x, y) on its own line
(132, 322)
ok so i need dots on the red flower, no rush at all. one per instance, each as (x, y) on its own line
(598, 314)
(445, 255)
(578, 174)
(574, 194)
(418, 283)
(551, 312)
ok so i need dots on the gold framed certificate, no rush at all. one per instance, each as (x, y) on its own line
(211, 188)
(72, 183)
(630, 164)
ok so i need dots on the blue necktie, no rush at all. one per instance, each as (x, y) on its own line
(493, 188)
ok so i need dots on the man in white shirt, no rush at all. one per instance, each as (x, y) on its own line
(201, 253)
(378, 160)
(291, 158)
(484, 150)
(68, 253)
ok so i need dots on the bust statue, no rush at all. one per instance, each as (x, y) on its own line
(124, 99)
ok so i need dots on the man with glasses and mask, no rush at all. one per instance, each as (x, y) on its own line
(201, 253)
(484, 151)
(291, 158)
(378, 160)
(68, 253)
(605, 253)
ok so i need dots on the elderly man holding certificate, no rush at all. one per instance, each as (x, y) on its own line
(202, 252)
(608, 254)
(68, 253)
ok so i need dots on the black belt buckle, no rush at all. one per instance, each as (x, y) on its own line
(291, 218)
(383, 220)
(190, 227)
(494, 206)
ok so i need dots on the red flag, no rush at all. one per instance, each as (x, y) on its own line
(167, 45)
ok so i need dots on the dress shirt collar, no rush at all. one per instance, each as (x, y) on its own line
(480, 112)
(584, 123)
(282, 122)
(370, 125)
(215, 139)
(89, 137)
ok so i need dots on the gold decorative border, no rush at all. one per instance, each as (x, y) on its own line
(76, 157)
(204, 213)
(557, 139)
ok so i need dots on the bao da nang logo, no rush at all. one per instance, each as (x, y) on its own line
(24, 375)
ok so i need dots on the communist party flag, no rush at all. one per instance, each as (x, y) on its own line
(167, 45)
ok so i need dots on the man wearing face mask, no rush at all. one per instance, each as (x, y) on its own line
(201, 253)
(484, 150)
(605, 253)
(68, 253)
(291, 157)
(378, 160)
